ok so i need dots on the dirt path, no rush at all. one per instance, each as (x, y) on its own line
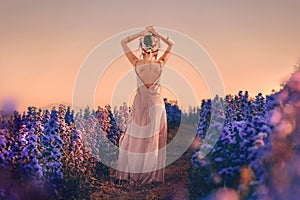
(175, 186)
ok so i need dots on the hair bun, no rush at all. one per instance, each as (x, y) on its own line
(150, 42)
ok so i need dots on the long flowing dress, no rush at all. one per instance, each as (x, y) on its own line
(142, 148)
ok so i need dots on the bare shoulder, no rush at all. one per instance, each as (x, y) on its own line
(139, 62)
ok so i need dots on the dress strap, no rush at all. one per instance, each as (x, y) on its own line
(160, 64)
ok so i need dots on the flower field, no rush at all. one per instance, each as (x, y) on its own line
(59, 153)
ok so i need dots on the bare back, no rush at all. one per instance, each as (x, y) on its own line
(148, 72)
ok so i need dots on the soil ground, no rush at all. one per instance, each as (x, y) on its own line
(176, 184)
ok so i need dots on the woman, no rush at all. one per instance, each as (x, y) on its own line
(141, 153)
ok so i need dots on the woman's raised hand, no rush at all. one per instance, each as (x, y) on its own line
(143, 33)
(150, 29)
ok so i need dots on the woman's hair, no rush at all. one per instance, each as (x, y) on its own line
(149, 43)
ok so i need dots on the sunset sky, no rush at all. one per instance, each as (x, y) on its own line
(254, 44)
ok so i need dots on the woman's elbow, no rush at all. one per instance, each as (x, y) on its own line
(124, 41)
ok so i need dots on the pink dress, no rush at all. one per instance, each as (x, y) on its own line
(142, 148)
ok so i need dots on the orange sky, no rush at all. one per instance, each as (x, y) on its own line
(254, 44)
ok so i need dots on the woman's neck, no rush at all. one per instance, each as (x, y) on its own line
(149, 58)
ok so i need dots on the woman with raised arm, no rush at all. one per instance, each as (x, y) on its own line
(142, 146)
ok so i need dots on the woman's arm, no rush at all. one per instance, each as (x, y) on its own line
(163, 59)
(131, 57)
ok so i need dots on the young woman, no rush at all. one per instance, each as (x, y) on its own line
(142, 154)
